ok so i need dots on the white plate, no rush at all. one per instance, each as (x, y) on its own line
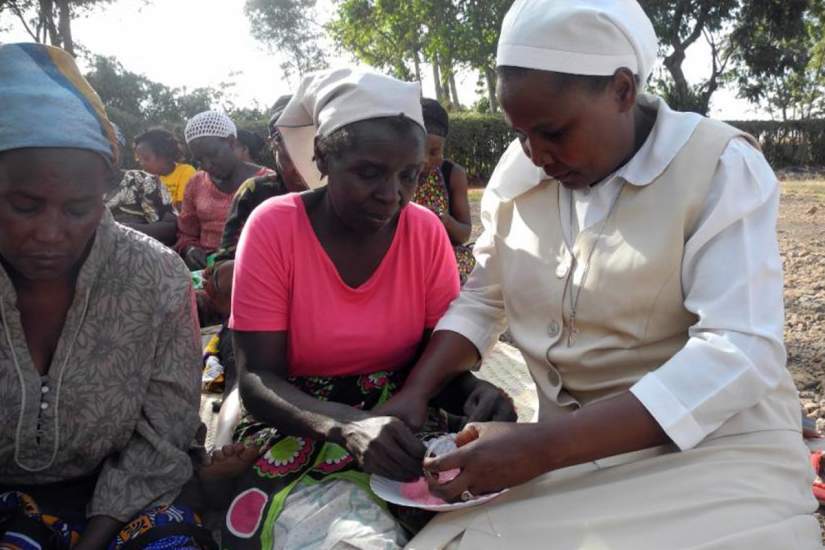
(390, 491)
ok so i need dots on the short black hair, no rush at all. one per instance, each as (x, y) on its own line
(564, 81)
(436, 118)
(346, 138)
(252, 141)
(162, 142)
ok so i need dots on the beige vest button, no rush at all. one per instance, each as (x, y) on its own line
(554, 329)
(44, 406)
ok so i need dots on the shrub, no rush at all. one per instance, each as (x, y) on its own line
(477, 141)
(792, 143)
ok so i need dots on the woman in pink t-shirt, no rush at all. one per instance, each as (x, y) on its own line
(335, 293)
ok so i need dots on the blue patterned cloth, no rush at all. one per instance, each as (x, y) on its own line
(24, 527)
(46, 102)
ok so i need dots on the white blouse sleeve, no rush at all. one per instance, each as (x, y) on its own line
(732, 281)
(478, 313)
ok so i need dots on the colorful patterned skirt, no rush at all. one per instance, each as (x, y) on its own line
(432, 193)
(24, 527)
(288, 461)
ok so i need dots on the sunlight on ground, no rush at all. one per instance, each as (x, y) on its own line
(475, 194)
(804, 187)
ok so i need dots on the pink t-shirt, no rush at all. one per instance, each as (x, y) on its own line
(204, 211)
(285, 281)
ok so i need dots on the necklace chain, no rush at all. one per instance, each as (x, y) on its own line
(574, 296)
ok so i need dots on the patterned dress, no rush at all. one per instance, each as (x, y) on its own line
(106, 431)
(287, 463)
(140, 198)
(433, 194)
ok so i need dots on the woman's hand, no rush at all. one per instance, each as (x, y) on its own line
(385, 446)
(408, 407)
(491, 456)
(195, 258)
(489, 403)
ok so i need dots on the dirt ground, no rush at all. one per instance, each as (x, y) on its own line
(802, 243)
(801, 233)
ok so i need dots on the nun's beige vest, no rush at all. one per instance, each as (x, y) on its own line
(630, 314)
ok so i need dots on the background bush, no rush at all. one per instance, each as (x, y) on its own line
(477, 141)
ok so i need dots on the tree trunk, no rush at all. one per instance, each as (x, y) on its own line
(490, 76)
(454, 90)
(446, 69)
(65, 25)
(417, 64)
(439, 91)
(47, 17)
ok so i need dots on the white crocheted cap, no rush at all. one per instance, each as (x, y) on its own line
(209, 124)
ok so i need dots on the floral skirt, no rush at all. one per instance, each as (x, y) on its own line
(24, 527)
(287, 461)
(465, 260)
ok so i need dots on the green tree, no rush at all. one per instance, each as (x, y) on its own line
(399, 36)
(387, 34)
(679, 24)
(783, 69)
(739, 33)
(135, 102)
(291, 28)
(481, 21)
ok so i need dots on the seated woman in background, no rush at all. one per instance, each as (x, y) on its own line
(157, 151)
(211, 137)
(218, 282)
(98, 355)
(254, 191)
(141, 202)
(249, 146)
(443, 187)
(336, 291)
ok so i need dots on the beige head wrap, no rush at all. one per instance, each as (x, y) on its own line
(329, 100)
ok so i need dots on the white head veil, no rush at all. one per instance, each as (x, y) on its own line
(577, 37)
(580, 37)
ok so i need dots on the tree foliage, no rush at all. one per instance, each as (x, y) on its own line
(399, 36)
(289, 27)
(135, 102)
(784, 71)
(387, 34)
(748, 40)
